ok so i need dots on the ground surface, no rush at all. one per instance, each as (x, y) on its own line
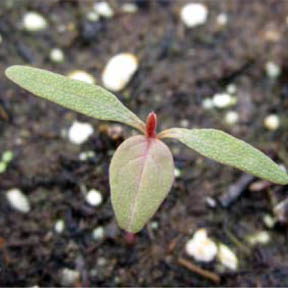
(178, 69)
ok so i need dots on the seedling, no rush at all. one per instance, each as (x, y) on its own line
(142, 168)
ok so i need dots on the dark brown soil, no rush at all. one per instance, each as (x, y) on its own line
(178, 69)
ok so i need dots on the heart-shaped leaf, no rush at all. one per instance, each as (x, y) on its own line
(79, 96)
(229, 150)
(141, 175)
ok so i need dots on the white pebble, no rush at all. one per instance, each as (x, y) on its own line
(211, 202)
(207, 104)
(223, 100)
(98, 233)
(154, 225)
(82, 76)
(177, 172)
(104, 9)
(231, 117)
(184, 123)
(80, 132)
(227, 257)
(18, 200)
(119, 71)
(269, 221)
(56, 55)
(83, 156)
(272, 70)
(129, 8)
(272, 122)
(33, 21)
(94, 197)
(222, 19)
(69, 277)
(92, 16)
(194, 14)
(231, 89)
(261, 237)
(201, 247)
(59, 226)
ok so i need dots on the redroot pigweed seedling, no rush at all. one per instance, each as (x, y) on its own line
(142, 168)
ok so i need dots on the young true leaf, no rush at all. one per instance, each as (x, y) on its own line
(79, 96)
(141, 175)
(229, 150)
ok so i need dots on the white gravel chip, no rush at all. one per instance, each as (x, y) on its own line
(80, 132)
(223, 100)
(272, 122)
(69, 277)
(98, 233)
(119, 71)
(59, 226)
(207, 104)
(82, 76)
(201, 247)
(227, 257)
(56, 55)
(129, 8)
(104, 9)
(272, 70)
(33, 22)
(194, 14)
(222, 19)
(18, 200)
(231, 117)
(94, 197)
(262, 237)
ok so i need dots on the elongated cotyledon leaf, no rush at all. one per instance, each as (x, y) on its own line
(141, 175)
(79, 96)
(229, 150)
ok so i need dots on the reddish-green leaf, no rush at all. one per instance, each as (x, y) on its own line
(229, 150)
(141, 175)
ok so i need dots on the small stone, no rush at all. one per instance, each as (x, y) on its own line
(104, 9)
(92, 16)
(115, 131)
(80, 132)
(83, 156)
(154, 225)
(261, 237)
(269, 221)
(211, 202)
(7, 156)
(18, 200)
(177, 172)
(231, 89)
(101, 261)
(1, 39)
(59, 226)
(98, 233)
(207, 104)
(94, 197)
(222, 19)
(281, 211)
(272, 70)
(201, 247)
(3, 167)
(272, 122)
(194, 14)
(33, 21)
(223, 100)
(184, 123)
(231, 117)
(129, 8)
(56, 55)
(69, 277)
(119, 71)
(82, 76)
(227, 257)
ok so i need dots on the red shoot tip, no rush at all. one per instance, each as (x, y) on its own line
(151, 125)
(130, 238)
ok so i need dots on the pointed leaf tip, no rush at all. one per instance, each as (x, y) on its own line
(79, 96)
(226, 149)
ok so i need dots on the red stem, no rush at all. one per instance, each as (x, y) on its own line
(151, 125)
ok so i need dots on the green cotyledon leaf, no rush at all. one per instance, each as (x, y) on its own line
(141, 175)
(76, 95)
(229, 150)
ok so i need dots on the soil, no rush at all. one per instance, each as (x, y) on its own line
(179, 67)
